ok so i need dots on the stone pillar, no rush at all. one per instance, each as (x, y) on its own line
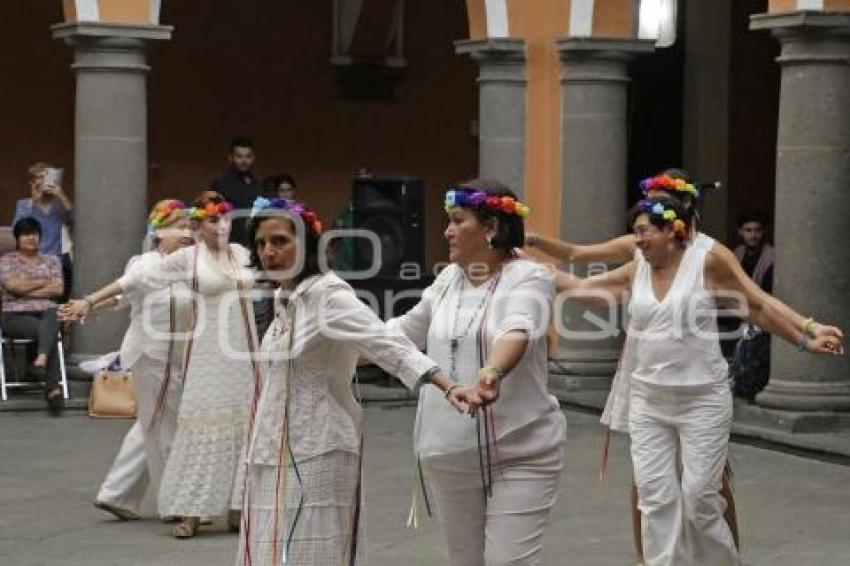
(501, 109)
(812, 271)
(594, 189)
(110, 160)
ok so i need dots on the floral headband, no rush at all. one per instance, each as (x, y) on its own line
(163, 212)
(669, 184)
(657, 209)
(210, 210)
(471, 198)
(307, 214)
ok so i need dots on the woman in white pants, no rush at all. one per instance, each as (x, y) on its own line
(680, 405)
(303, 503)
(202, 475)
(151, 351)
(494, 478)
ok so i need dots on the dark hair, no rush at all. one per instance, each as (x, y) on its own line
(511, 231)
(241, 141)
(311, 246)
(670, 203)
(752, 215)
(26, 226)
(272, 182)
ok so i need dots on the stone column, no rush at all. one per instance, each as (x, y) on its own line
(501, 109)
(110, 160)
(593, 203)
(812, 271)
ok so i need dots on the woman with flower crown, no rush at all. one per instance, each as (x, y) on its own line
(303, 492)
(494, 478)
(679, 404)
(673, 183)
(203, 476)
(153, 360)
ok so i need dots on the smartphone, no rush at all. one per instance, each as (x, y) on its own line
(52, 179)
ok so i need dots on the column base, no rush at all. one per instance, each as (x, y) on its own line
(775, 398)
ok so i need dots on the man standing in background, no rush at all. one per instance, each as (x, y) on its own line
(239, 186)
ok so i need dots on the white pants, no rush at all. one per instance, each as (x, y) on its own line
(506, 528)
(683, 522)
(145, 449)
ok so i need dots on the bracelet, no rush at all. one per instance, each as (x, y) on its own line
(88, 300)
(532, 239)
(808, 327)
(488, 370)
(802, 345)
(451, 388)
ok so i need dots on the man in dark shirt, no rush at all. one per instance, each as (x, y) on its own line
(754, 253)
(239, 186)
(750, 367)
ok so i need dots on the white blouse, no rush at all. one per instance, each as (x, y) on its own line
(148, 332)
(313, 368)
(452, 310)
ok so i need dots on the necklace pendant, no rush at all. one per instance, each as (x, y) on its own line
(454, 344)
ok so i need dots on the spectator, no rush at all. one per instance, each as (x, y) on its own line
(50, 206)
(754, 253)
(750, 366)
(239, 186)
(31, 280)
(281, 185)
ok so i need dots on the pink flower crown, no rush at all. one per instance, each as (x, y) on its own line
(471, 198)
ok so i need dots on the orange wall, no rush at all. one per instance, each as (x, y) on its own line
(782, 5)
(477, 18)
(613, 18)
(539, 23)
(261, 72)
(837, 5)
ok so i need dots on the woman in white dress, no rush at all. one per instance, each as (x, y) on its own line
(151, 353)
(303, 503)
(680, 407)
(494, 478)
(203, 475)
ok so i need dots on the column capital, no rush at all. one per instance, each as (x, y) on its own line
(570, 47)
(80, 31)
(800, 20)
(493, 48)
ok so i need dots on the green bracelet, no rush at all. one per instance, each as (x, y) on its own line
(807, 327)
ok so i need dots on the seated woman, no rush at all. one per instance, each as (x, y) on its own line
(30, 282)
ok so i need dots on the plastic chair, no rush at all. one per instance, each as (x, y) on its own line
(10, 343)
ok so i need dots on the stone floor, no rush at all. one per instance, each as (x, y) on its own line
(793, 511)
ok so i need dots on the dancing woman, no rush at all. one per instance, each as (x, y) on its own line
(680, 407)
(200, 478)
(672, 183)
(494, 478)
(155, 359)
(304, 493)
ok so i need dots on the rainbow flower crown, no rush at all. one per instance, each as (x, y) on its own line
(308, 215)
(655, 208)
(210, 210)
(669, 184)
(162, 212)
(472, 198)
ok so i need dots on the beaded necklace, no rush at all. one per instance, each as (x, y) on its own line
(456, 338)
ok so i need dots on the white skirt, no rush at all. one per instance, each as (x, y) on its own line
(322, 532)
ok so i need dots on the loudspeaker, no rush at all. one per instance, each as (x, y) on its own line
(393, 209)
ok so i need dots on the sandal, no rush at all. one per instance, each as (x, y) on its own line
(55, 402)
(234, 520)
(187, 528)
(123, 514)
